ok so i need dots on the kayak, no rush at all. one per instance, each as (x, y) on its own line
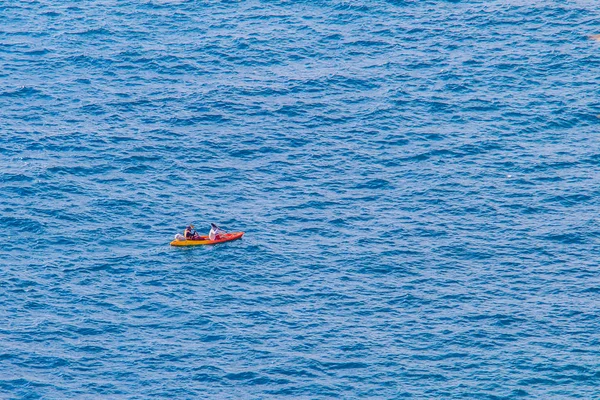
(227, 237)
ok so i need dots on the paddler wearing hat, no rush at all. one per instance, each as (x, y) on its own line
(190, 233)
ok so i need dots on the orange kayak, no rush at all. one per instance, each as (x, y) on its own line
(227, 237)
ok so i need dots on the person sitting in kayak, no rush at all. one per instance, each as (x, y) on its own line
(215, 232)
(190, 233)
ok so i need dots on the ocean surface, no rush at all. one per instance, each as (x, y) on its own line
(418, 182)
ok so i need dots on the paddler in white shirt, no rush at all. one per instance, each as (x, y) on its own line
(215, 232)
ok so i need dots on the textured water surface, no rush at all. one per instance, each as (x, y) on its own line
(418, 182)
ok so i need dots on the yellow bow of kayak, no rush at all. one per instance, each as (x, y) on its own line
(204, 240)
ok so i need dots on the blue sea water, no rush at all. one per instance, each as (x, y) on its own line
(418, 182)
